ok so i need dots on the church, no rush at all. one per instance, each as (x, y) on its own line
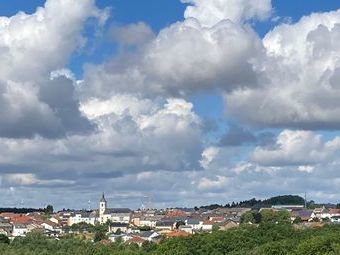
(122, 215)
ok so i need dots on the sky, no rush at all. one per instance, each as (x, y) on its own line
(172, 103)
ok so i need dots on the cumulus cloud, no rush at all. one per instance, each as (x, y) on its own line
(31, 47)
(168, 138)
(129, 123)
(301, 148)
(210, 12)
(301, 87)
(208, 156)
(183, 59)
(132, 34)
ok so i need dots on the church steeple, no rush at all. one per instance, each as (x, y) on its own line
(102, 207)
(103, 198)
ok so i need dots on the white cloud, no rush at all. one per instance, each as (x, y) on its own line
(208, 155)
(31, 179)
(301, 89)
(132, 34)
(183, 59)
(301, 148)
(210, 12)
(31, 47)
(211, 184)
(29, 42)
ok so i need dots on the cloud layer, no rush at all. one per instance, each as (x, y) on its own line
(128, 125)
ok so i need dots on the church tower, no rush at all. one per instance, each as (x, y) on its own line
(102, 206)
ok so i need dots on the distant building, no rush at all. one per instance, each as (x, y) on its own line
(19, 230)
(122, 215)
(114, 227)
(82, 217)
(288, 207)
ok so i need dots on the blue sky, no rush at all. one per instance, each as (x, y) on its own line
(188, 104)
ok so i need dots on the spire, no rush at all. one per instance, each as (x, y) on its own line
(103, 198)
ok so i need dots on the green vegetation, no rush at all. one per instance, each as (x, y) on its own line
(4, 239)
(49, 209)
(262, 239)
(266, 216)
(278, 200)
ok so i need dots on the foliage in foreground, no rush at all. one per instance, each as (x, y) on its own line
(271, 239)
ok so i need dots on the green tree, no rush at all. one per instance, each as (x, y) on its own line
(49, 209)
(98, 236)
(179, 223)
(247, 217)
(297, 220)
(4, 239)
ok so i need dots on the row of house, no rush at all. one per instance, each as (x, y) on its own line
(16, 225)
(318, 214)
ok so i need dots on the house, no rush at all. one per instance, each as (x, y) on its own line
(51, 226)
(118, 226)
(334, 212)
(304, 215)
(186, 228)
(335, 219)
(165, 225)
(6, 228)
(115, 237)
(136, 240)
(195, 224)
(82, 217)
(287, 207)
(63, 217)
(51, 233)
(321, 213)
(19, 230)
(150, 236)
(16, 218)
(216, 218)
(175, 213)
(149, 221)
(207, 226)
(228, 224)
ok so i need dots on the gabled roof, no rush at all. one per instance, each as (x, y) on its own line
(117, 210)
(119, 225)
(146, 234)
(135, 239)
(193, 221)
(164, 223)
(303, 213)
(334, 211)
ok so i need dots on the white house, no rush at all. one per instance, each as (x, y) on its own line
(82, 217)
(19, 230)
(149, 221)
(115, 226)
(195, 224)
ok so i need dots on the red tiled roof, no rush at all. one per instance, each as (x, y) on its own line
(331, 211)
(176, 213)
(17, 218)
(207, 222)
(178, 234)
(135, 239)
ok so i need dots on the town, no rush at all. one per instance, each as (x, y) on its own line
(152, 225)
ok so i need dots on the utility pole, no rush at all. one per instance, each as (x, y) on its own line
(305, 200)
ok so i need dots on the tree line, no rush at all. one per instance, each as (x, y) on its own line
(274, 235)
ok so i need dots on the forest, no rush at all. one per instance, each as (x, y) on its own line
(263, 239)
